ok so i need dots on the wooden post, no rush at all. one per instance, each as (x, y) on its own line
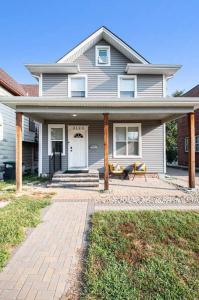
(18, 152)
(191, 154)
(106, 168)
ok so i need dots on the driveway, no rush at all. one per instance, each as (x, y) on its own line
(180, 176)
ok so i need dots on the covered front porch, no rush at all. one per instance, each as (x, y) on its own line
(148, 114)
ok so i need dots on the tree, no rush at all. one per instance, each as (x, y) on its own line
(171, 135)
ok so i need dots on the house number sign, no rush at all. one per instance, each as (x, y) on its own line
(78, 127)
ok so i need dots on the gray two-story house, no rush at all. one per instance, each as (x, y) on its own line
(102, 102)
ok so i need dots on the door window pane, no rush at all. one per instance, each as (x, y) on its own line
(56, 134)
(57, 146)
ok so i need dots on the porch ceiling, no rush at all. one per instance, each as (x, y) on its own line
(61, 108)
(75, 116)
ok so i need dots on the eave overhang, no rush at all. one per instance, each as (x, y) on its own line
(162, 69)
(37, 69)
(61, 101)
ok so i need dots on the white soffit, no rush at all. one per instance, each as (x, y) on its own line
(37, 69)
(109, 37)
(168, 70)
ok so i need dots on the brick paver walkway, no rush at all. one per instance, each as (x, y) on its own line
(43, 267)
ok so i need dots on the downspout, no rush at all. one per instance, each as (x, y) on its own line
(40, 167)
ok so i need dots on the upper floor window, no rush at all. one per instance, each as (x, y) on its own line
(77, 86)
(102, 56)
(127, 86)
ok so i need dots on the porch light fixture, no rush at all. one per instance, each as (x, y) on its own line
(74, 115)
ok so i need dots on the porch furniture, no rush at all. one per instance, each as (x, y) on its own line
(116, 169)
(139, 168)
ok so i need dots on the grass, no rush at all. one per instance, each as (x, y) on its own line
(143, 255)
(22, 212)
(7, 188)
(14, 219)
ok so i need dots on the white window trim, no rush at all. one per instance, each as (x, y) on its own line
(96, 55)
(139, 125)
(78, 76)
(127, 77)
(50, 126)
(186, 144)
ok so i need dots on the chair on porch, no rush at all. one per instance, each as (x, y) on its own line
(116, 170)
(139, 168)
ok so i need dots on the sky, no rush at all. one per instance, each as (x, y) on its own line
(43, 31)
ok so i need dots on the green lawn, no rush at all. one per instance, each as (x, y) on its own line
(20, 213)
(143, 255)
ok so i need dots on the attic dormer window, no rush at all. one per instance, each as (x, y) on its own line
(102, 56)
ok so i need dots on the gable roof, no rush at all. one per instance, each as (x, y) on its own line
(194, 92)
(16, 88)
(31, 89)
(10, 84)
(103, 33)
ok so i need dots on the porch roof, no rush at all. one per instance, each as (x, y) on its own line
(154, 108)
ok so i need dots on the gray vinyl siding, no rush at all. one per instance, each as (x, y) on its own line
(152, 146)
(150, 85)
(55, 85)
(7, 145)
(28, 136)
(102, 80)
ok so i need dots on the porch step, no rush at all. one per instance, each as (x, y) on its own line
(75, 179)
(76, 175)
(89, 179)
(73, 184)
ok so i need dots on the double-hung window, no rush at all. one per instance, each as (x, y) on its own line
(127, 140)
(102, 56)
(77, 86)
(196, 144)
(56, 139)
(127, 86)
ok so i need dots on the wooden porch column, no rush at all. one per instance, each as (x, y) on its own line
(191, 154)
(106, 168)
(18, 152)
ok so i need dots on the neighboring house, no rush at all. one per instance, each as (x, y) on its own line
(183, 138)
(8, 86)
(101, 102)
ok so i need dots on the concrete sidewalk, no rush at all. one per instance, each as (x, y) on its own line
(44, 265)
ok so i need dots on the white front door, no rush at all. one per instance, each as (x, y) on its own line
(77, 147)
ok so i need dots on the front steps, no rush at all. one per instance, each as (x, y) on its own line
(89, 179)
